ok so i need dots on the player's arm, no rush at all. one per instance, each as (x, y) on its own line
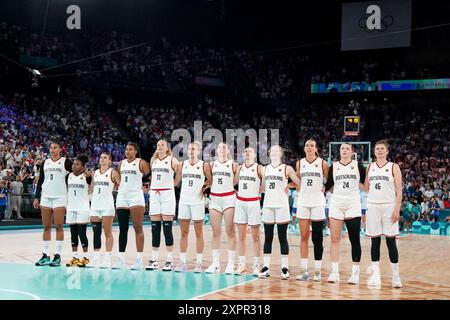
(144, 167)
(91, 185)
(68, 165)
(263, 180)
(362, 175)
(115, 177)
(175, 164)
(37, 195)
(290, 173)
(178, 174)
(330, 180)
(398, 192)
(366, 181)
(236, 175)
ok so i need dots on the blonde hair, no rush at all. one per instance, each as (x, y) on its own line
(155, 154)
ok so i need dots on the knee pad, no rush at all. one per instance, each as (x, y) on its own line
(82, 234)
(124, 220)
(392, 249)
(282, 237)
(353, 227)
(268, 238)
(156, 233)
(168, 234)
(97, 229)
(375, 249)
(74, 235)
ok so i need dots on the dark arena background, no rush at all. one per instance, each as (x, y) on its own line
(93, 75)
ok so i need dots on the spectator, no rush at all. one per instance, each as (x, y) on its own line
(16, 196)
(4, 195)
(434, 209)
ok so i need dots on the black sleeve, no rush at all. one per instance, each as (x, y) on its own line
(362, 173)
(330, 181)
(89, 179)
(40, 182)
(146, 178)
(67, 180)
(68, 165)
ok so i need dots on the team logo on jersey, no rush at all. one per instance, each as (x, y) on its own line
(106, 176)
(352, 168)
(317, 165)
(339, 168)
(198, 168)
(228, 165)
(279, 170)
(303, 166)
(253, 170)
(387, 170)
(59, 162)
(81, 178)
(166, 162)
(134, 164)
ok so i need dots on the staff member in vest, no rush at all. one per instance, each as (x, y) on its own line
(346, 177)
(105, 180)
(162, 202)
(130, 201)
(77, 216)
(248, 210)
(16, 195)
(221, 204)
(276, 209)
(51, 197)
(192, 174)
(384, 198)
(311, 208)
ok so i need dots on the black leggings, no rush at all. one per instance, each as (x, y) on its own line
(317, 239)
(282, 237)
(392, 249)
(124, 223)
(353, 228)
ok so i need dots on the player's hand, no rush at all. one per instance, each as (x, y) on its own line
(36, 203)
(395, 215)
(323, 189)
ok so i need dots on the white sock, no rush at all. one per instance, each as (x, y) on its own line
(231, 255)
(122, 256)
(256, 261)
(355, 268)
(169, 256)
(46, 247)
(267, 260)
(242, 260)
(395, 269)
(335, 267)
(95, 254)
(155, 255)
(304, 263)
(318, 264)
(199, 257)
(376, 267)
(183, 256)
(285, 261)
(216, 257)
(139, 256)
(59, 246)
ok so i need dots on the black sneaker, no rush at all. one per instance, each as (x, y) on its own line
(284, 273)
(43, 261)
(264, 273)
(56, 262)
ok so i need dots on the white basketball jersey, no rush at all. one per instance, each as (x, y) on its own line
(381, 183)
(54, 185)
(311, 183)
(162, 174)
(223, 177)
(130, 178)
(102, 197)
(346, 183)
(249, 181)
(275, 184)
(77, 193)
(192, 181)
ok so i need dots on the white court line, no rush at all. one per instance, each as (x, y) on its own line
(218, 290)
(35, 297)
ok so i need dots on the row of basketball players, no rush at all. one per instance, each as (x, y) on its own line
(66, 186)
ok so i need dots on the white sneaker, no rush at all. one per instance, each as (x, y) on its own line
(240, 270)
(213, 269)
(303, 275)
(264, 272)
(198, 268)
(229, 269)
(333, 277)
(168, 266)
(317, 276)
(396, 282)
(182, 267)
(374, 280)
(96, 262)
(120, 263)
(106, 264)
(152, 265)
(284, 273)
(255, 269)
(137, 265)
(354, 278)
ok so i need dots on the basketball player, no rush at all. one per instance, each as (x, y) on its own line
(384, 197)
(248, 210)
(276, 209)
(221, 204)
(130, 200)
(162, 202)
(346, 177)
(311, 207)
(105, 180)
(192, 174)
(51, 196)
(77, 216)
